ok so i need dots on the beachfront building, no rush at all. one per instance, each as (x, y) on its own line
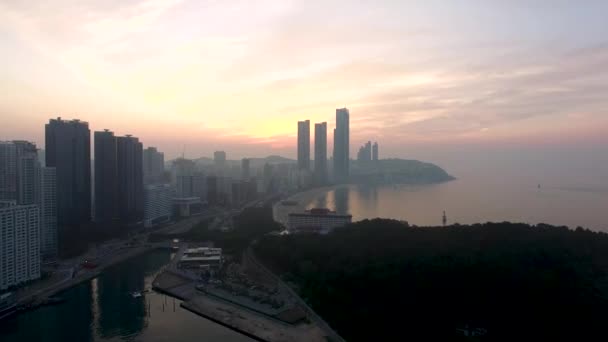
(317, 220)
(201, 258)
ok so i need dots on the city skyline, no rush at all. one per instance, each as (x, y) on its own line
(420, 79)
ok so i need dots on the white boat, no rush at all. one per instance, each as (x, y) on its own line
(135, 294)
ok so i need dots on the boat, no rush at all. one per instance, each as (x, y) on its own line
(135, 294)
(8, 305)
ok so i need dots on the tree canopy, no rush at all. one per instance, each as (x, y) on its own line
(383, 280)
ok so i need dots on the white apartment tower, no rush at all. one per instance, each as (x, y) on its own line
(157, 204)
(19, 244)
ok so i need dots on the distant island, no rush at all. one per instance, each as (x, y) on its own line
(383, 280)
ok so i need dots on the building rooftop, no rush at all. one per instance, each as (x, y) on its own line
(202, 258)
(320, 212)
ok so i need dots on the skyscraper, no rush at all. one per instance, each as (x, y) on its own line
(20, 243)
(365, 153)
(183, 172)
(304, 145)
(130, 180)
(154, 165)
(19, 172)
(27, 172)
(8, 171)
(375, 152)
(29, 184)
(68, 150)
(48, 212)
(106, 177)
(219, 157)
(341, 145)
(157, 208)
(245, 169)
(320, 171)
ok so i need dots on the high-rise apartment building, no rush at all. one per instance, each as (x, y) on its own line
(375, 152)
(68, 150)
(19, 172)
(219, 157)
(342, 145)
(119, 185)
(304, 145)
(183, 171)
(130, 180)
(25, 183)
(19, 243)
(365, 153)
(106, 177)
(154, 165)
(48, 212)
(8, 171)
(245, 169)
(320, 170)
(27, 172)
(157, 208)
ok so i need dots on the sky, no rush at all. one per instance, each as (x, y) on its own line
(426, 79)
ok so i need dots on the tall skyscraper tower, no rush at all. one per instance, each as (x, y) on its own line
(129, 156)
(27, 172)
(183, 172)
(106, 177)
(154, 165)
(68, 150)
(375, 151)
(342, 145)
(19, 167)
(48, 212)
(245, 169)
(8, 171)
(320, 171)
(28, 185)
(219, 157)
(119, 184)
(304, 145)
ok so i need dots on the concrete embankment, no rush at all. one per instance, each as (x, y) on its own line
(231, 315)
(36, 297)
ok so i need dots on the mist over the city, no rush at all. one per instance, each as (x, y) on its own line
(180, 170)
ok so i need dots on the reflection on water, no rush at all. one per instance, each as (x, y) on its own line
(103, 310)
(471, 200)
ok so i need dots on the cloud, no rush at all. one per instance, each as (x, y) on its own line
(247, 71)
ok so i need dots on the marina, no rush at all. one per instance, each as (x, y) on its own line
(102, 309)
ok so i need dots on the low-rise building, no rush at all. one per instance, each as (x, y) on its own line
(186, 207)
(317, 220)
(201, 258)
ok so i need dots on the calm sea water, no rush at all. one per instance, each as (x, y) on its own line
(103, 310)
(472, 200)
